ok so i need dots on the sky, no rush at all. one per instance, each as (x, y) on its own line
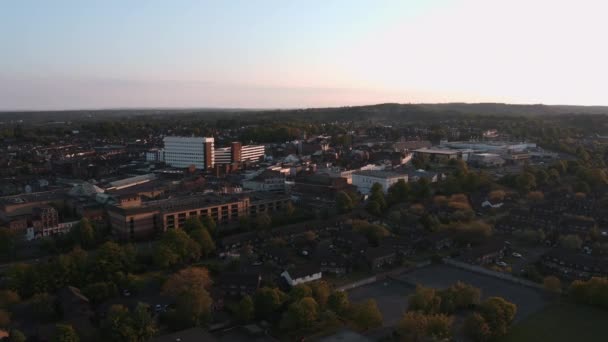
(82, 54)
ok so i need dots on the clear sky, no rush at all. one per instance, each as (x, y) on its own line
(77, 54)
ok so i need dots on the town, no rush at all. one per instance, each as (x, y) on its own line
(386, 222)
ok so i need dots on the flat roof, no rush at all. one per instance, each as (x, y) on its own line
(436, 151)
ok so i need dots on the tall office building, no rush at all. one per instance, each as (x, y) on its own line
(238, 153)
(186, 151)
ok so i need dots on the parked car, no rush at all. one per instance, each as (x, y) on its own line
(501, 264)
(517, 255)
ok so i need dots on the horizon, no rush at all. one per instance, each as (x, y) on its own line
(271, 55)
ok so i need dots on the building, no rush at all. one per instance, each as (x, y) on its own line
(364, 180)
(268, 180)
(302, 274)
(132, 218)
(487, 160)
(237, 153)
(183, 152)
(437, 154)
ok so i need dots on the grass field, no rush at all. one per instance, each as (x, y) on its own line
(561, 322)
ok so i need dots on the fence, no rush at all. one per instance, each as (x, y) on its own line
(495, 274)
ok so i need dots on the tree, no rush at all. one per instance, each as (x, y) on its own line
(193, 223)
(373, 232)
(552, 284)
(210, 224)
(8, 298)
(204, 240)
(377, 196)
(496, 196)
(499, 315)
(7, 244)
(263, 221)
(116, 325)
(300, 315)
(535, 196)
(459, 296)
(100, 291)
(571, 241)
(343, 202)
(320, 292)
(246, 309)
(593, 291)
(424, 299)
(338, 302)
(191, 278)
(43, 306)
(192, 308)
(416, 326)
(112, 258)
(84, 234)
(16, 336)
(65, 333)
(398, 192)
(5, 318)
(176, 247)
(525, 182)
(267, 300)
(298, 292)
(142, 322)
(366, 315)
(476, 328)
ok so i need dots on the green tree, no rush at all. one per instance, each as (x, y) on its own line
(43, 306)
(416, 326)
(321, 292)
(204, 240)
(192, 308)
(298, 292)
(65, 333)
(117, 326)
(246, 309)
(112, 258)
(425, 300)
(499, 315)
(366, 315)
(572, 242)
(267, 300)
(263, 221)
(16, 336)
(476, 328)
(176, 247)
(338, 302)
(344, 203)
(191, 278)
(459, 296)
(193, 223)
(84, 234)
(300, 315)
(398, 192)
(7, 244)
(143, 323)
(100, 291)
(210, 224)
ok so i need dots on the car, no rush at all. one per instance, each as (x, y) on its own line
(517, 255)
(501, 264)
(126, 293)
(158, 308)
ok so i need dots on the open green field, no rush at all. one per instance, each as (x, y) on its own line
(561, 322)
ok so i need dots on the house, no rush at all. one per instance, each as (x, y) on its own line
(485, 254)
(302, 274)
(268, 180)
(572, 265)
(379, 257)
(237, 284)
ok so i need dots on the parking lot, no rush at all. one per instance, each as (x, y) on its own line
(528, 300)
(390, 295)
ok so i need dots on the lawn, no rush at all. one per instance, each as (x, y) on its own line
(561, 322)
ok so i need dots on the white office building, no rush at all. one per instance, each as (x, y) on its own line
(364, 180)
(187, 151)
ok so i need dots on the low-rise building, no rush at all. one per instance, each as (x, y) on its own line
(302, 274)
(364, 180)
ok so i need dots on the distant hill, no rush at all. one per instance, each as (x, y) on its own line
(385, 110)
